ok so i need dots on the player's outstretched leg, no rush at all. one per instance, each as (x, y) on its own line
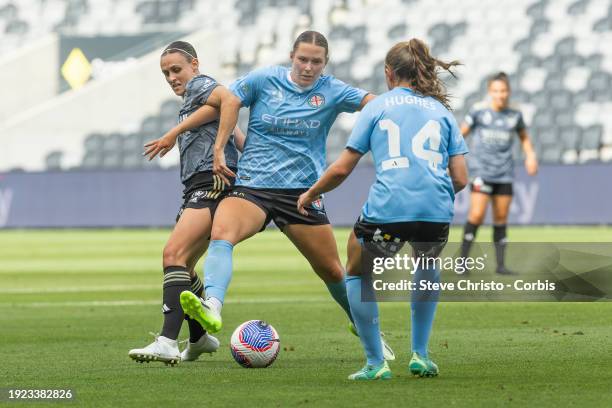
(203, 311)
(218, 267)
(423, 310)
(365, 315)
(200, 341)
(236, 219)
(318, 245)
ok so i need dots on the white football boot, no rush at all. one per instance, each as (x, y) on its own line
(162, 349)
(207, 344)
(388, 353)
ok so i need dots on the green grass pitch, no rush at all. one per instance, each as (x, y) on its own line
(72, 303)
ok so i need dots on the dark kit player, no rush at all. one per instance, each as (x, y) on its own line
(494, 125)
(203, 190)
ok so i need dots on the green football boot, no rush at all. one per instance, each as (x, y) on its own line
(388, 353)
(379, 372)
(422, 366)
(199, 310)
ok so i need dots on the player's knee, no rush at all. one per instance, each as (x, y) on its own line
(172, 256)
(353, 270)
(476, 218)
(498, 220)
(332, 272)
(223, 232)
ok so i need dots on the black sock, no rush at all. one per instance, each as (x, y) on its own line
(196, 331)
(499, 240)
(176, 280)
(469, 235)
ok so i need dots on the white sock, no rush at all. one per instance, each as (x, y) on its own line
(215, 304)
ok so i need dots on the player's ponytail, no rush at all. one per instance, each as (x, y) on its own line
(411, 61)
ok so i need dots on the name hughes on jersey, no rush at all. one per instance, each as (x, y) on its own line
(409, 100)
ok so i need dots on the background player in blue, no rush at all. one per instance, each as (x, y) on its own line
(291, 112)
(414, 140)
(202, 192)
(494, 125)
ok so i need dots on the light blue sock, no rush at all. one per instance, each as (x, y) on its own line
(423, 309)
(338, 292)
(365, 315)
(218, 269)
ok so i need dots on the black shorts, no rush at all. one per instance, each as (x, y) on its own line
(203, 190)
(280, 206)
(478, 185)
(426, 238)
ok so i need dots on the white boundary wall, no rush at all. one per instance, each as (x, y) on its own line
(29, 77)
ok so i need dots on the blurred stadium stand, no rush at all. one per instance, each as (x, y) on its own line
(557, 53)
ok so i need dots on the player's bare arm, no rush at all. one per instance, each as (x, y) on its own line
(531, 160)
(205, 114)
(229, 105)
(366, 99)
(239, 138)
(458, 172)
(332, 178)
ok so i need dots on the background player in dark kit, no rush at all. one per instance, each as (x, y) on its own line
(494, 125)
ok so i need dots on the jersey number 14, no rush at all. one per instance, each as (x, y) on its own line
(430, 131)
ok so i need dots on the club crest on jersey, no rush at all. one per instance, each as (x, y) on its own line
(487, 118)
(316, 101)
(277, 96)
(317, 204)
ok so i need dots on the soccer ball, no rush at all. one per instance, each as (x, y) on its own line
(255, 344)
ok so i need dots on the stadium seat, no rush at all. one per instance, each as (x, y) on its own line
(569, 156)
(570, 137)
(113, 143)
(92, 160)
(169, 109)
(591, 138)
(577, 8)
(606, 154)
(112, 160)
(589, 155)
(132, 144)
(93, 143)
(150, 126)
(53, 160)
(551, 154)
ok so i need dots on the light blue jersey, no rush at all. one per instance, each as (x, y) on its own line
(288, 127)
(411, 138)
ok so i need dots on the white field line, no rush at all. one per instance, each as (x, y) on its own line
(131, 287)
(77, 289)
(113, 303)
